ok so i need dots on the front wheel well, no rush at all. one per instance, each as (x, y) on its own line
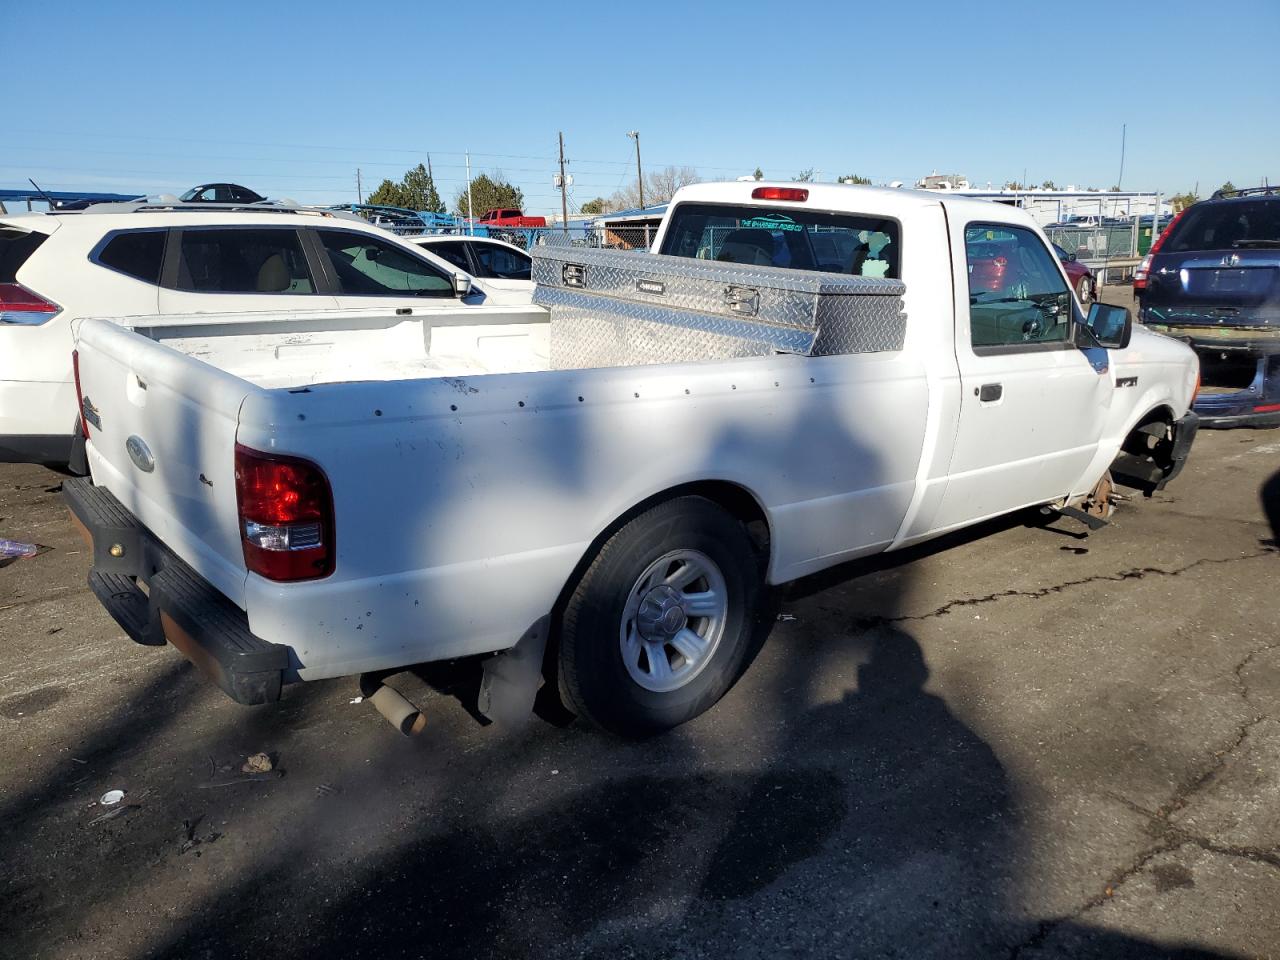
(1146, 454)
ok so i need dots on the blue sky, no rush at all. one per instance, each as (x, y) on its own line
(291, 98)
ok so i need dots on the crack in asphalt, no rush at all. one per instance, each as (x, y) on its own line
(1135, 573)
(1170, 836)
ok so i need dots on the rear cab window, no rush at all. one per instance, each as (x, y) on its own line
(1018, 299)
(243, 260)
(856, 244)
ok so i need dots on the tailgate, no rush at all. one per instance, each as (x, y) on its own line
(162, 431)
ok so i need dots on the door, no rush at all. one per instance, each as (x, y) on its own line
(1033, 403)
(230, 269)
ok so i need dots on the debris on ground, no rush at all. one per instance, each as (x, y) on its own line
(15, 548)
(112, 814)
(786, 617)
(191, 840)
(111, 798)
(258, 763)
(244, 778)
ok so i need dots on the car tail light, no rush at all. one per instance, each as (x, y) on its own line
(792, 194)
(1266, 408)
(286, 516)
(75, 370)
(21, 306)
(1144, 269)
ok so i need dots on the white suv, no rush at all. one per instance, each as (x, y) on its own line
(132, 259)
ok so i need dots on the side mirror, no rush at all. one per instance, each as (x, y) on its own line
(461, 284)
(1071, 257)
(1111, 326)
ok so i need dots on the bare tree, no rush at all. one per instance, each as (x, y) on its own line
(659, 187)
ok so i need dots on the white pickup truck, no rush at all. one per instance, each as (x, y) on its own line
(801, 375)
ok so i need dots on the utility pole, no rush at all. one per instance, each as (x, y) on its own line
(359, 188)
(564, 187)
(635, 135)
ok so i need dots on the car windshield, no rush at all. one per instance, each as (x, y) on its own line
(1226, 225)
(865, 246)
(190, 194)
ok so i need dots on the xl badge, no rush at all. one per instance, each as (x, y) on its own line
(140, 453)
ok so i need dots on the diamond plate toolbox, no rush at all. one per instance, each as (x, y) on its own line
(613, 307)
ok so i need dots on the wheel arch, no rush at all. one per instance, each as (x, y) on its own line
(733, 497)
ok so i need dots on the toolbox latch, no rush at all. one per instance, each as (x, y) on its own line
(744, 301)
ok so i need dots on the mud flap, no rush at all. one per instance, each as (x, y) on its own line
(510, 680)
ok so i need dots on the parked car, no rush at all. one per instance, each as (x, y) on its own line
(509, 217)
(604, 495)
(1083, 282)
(996, 263)
(221, 193)
(136, 259)
(1212, 279)
(503, 266)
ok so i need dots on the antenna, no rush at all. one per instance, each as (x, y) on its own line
(47, 199)
(1124, 129)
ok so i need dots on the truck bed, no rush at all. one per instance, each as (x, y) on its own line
(337, 346)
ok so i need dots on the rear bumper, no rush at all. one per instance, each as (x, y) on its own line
(179, 606)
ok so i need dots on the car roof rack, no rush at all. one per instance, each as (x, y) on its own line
(139, 206)
(1265, 191)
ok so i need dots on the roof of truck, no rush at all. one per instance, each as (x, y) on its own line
(850, 197)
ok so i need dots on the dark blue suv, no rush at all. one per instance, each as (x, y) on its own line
(1213, 279)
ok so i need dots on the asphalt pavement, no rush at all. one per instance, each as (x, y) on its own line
(1023, 741)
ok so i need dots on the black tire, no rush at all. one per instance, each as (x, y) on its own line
(594, 679)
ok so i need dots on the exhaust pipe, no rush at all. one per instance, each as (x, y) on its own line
(393, 706)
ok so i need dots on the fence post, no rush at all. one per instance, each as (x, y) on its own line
(1133, 241)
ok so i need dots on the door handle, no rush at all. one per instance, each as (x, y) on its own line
(989, 392)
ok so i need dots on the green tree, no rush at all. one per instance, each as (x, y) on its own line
(804, 176)
(488, 193)
(1228, 187)
(854, 178)
(759, 174)
(593, 207)
(419, 189)
(1048, 185)
(388, 194)
(1015, 185)
(1115, 189)
(1181, 201)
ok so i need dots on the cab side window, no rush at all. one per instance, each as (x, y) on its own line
(368, 266)
(1017, 296)
(454, 252)
(496, 261)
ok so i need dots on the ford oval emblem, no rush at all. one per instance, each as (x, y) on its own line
(140, 454)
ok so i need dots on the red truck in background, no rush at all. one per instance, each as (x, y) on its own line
(509, 217)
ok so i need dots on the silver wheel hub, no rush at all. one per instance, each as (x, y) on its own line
(673, 620)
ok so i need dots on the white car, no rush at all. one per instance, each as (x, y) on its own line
(611, 488)
(139, 259)
(500, 265)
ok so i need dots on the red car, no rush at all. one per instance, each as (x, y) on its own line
(993, 266)
(1081, 277)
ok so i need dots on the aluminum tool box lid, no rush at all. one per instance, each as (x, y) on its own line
(771, 295)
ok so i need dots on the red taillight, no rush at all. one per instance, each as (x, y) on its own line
(1266, 408)
(22, 306)
(1144, 269)
(1001, 262)
(75, 370)
(792, 194)
(286, 516)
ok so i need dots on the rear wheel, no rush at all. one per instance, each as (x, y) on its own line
(1084, 290)
(660, 625)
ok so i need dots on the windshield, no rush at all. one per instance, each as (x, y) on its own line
(865, 246)
(1226, 225)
